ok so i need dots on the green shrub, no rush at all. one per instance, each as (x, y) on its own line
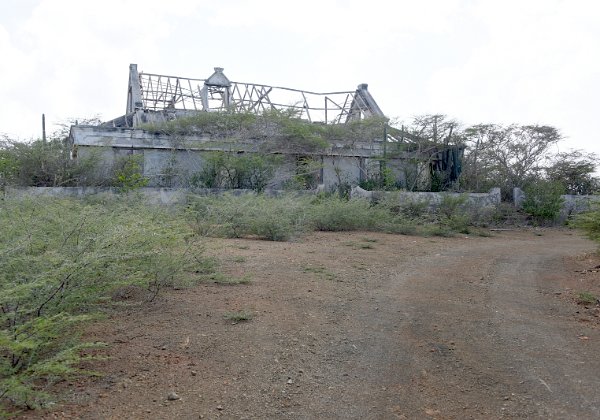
(543, 200)
(587, 298)
(61, 261)
(227, 170)
(276, 219)
(285, 217)
(589, 222)
(281, 128)
(45, 164)
(335, 214)
(129, 174)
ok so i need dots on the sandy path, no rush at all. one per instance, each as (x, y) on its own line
(360, 325)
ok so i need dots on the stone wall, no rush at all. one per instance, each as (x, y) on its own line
(572, 204)
(433, 200)
(165, 196)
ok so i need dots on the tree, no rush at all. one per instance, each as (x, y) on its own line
(476, 169)
(509, 156)
(574, 171)
(46, 163)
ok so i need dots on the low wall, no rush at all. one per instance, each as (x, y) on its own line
(153, 195)
(572, 204)
(166, 196)
(575, 204)
(490, 199)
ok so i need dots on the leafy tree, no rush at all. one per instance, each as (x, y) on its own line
(46, 163)
(575, 171)
(509, 156)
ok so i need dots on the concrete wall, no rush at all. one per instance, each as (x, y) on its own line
(170, 161)
(489, 200)
(572, 204)
(165, 196)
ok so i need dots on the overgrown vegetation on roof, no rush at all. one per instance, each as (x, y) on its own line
(282, 129)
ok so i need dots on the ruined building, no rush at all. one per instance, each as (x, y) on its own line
(165, 128)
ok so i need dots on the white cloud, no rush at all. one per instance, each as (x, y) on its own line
(511, 61)
(540, 65)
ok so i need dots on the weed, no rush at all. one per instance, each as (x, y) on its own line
(370, 240)
(238, 316)
(220, 278)
(321, 272)
(587, 298)
(227, 170)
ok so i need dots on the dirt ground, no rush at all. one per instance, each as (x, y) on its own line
(362, 325)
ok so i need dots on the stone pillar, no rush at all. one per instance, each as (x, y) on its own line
(518, 197)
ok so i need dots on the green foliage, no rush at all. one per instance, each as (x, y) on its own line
(275, 219)
(238, 316)
(44, 164)
(320, 271)
(283, 129)
(232, 171)
(543, 200)
(451, 205)
(283, 218)
(129, 173)
(334, 214)
(307, 174)
(506, 156)
(575, 171)
(60, 262)
(452, 215)
(384, 180)
(589, 222)
(587, 298)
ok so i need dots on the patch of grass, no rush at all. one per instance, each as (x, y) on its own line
(587, 298)
(369, 239)
(359, 245)
(321, 272)
(238, 316)
(239, 259)
(220, 278)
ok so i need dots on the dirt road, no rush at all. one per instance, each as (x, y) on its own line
(362, 325)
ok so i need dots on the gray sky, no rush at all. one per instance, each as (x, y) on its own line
(526, 61)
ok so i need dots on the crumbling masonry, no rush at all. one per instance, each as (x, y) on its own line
(154, 99)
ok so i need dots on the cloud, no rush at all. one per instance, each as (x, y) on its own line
(540, 64)
(69, 59)
(476, 60)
